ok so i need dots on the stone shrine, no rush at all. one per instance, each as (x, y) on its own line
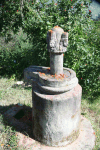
(56, 95)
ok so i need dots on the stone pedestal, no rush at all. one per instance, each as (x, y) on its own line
(56, 117)
(56, 105)
(56, 96)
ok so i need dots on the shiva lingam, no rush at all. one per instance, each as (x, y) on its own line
(56, 95)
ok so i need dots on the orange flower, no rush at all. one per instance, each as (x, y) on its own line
(56, 26)
(66, 76)
(48, 69)
(63, 54)
(94, 133)
(71, 6)
(50, 31)
(62, 75)
(81, 4)
(40, 72)
(17, 10)
(43, 73)
(65, 10)
(55, 75)
(55, 3)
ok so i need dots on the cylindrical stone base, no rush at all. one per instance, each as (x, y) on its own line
(56, 63)
(56, 118)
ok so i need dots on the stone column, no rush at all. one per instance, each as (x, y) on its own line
(57, 41)
(56, 63)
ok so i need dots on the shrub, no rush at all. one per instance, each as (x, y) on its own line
(15, 56)
(36, 18)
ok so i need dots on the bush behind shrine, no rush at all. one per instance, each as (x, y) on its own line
(36, 18)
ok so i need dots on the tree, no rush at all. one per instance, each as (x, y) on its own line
(36, 18)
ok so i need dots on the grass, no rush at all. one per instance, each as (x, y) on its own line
(92, 112)
(11, 94)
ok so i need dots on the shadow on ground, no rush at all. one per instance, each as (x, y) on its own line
(19, 118)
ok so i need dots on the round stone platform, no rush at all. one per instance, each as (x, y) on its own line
(85, 141)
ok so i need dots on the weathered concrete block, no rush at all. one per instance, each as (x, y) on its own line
(56, 117)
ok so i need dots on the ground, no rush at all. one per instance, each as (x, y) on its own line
(12, 93)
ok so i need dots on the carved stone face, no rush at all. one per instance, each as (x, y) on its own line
(60, 46)
(57, 40)
(52, 44)
(64, 39)
(65, 43)
(53, 40)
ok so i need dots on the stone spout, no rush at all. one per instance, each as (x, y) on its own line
(57, 41)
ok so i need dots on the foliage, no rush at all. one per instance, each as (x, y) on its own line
(36, 18)
(16, 55)
(10, 18)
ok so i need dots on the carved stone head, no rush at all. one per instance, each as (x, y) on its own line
(57, 40)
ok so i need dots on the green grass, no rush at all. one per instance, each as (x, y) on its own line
(92, 112)
(12, 94)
